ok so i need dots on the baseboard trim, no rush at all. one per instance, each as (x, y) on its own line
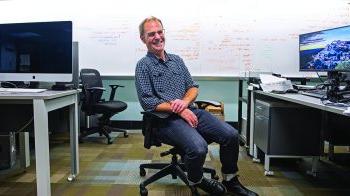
(128, 124)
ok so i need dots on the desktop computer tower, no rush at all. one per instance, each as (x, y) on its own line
(7, 150)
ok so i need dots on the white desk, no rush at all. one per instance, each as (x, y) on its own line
(294, 98)
(43, 103)
(305, 100)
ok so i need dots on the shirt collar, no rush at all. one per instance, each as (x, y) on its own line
(157, 60)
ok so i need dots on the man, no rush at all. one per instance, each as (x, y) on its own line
(164, 84)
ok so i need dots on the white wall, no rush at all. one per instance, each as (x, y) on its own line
(215, 38)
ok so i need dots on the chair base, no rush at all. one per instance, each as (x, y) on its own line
(175, 169)
(105, 130)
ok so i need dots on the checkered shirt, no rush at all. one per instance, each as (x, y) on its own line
(159, 81)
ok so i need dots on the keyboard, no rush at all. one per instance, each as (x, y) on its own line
(23, 90)
(317, 93)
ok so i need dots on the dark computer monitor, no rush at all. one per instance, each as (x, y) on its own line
(327, 50)
(38, 51)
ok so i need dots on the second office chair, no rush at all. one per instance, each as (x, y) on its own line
(93, 104)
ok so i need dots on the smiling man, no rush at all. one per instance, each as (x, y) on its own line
(164, 84)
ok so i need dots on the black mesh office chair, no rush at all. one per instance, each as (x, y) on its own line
(151, 122)
(92, 104)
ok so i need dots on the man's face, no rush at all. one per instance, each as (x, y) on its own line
(154, 37)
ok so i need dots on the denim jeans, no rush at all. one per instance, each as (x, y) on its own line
(194, 142)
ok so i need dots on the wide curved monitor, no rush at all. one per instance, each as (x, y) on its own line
(39, 51)
(326, 50)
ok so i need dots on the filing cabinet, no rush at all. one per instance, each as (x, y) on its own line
(286, 130)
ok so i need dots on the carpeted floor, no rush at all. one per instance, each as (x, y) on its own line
(114, 170)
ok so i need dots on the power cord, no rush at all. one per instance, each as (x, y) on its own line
(328, 103)
(25, 125)
(319, 77)
(6, 84)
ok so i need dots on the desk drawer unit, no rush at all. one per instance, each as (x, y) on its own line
(286, 130)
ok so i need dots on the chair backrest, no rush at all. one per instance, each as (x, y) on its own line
(151, 122)
(90, 78)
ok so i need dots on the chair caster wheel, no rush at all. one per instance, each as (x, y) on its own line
(268, 173)
(215, 177)
(71, 178)
(143, 192)
(194, 191)
(312, 173)
(126, 135)
(142, 172)
(256, 160)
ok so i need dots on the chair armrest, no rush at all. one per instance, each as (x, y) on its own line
(87, 96)
(92, 89)
(114, 88)
(156, 115)
(202, 104)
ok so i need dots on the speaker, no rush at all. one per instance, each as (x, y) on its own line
(7, 150)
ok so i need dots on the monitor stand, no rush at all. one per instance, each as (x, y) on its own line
(334, 92)
(61, 86)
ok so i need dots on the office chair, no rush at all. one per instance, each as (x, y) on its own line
(92, 104)
(151, 122)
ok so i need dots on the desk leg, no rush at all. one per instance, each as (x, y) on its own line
(42, 156)
(313, 171)
(255, 154)
(251, 121)
(74, 131)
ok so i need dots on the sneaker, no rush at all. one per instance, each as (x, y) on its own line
(235, 187)
(212, 187)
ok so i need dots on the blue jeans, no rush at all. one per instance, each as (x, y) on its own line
(194, 142)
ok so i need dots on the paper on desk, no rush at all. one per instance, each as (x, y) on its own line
(270, 83)
(267, 78)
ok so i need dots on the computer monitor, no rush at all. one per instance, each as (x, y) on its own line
(326, 50)
(39, 51)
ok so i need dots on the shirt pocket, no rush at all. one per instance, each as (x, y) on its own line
(176, 74)
(177, 79)
(158, 81)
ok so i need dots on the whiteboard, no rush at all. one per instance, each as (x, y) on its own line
(215, 38)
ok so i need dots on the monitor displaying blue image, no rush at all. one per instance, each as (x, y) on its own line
(36, 51)
(327, 50)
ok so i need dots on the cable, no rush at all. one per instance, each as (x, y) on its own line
(25, 125)
(320, 86)
(13, 85)
(319, 77)
(329, 103)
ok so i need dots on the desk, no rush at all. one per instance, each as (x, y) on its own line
(43, 103)
(245, 99)
(304, 100)
(294, 98)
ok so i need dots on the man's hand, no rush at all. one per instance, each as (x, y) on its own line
(190, 117)
(178, 105)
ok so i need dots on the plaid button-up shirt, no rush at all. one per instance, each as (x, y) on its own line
(159, 81)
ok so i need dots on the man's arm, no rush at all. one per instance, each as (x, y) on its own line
(186, 114)
(189, 97)
(178, 105)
